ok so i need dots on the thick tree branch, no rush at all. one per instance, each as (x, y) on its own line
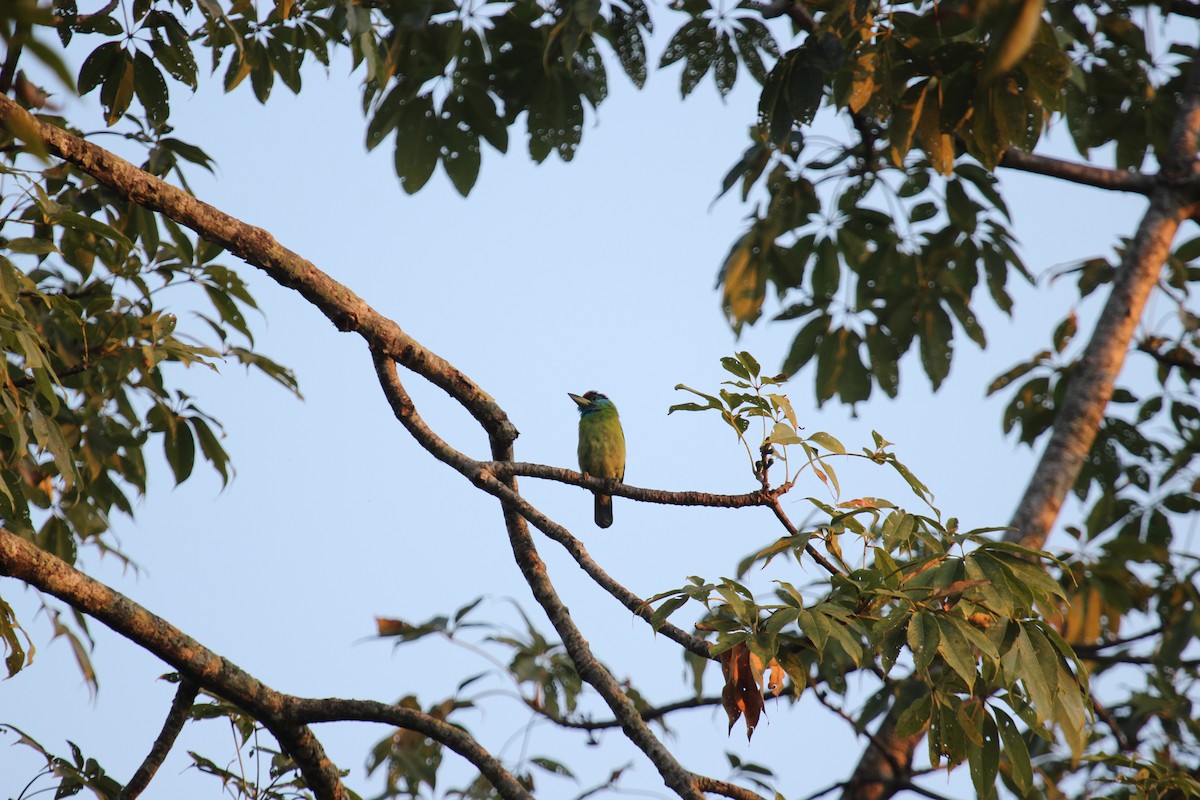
(1091, 384)
(185, 695)
(307, 710)
(346, 310)
(24, 561)
(886, 765)
(285, 716)
(1075, 172)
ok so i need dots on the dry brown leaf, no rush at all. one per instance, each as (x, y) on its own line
(741, 694)
(391, 627)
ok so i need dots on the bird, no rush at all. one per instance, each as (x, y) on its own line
(601, 446)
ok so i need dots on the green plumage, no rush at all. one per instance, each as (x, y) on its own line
(601, 446)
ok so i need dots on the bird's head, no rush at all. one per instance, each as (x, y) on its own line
(591, 401)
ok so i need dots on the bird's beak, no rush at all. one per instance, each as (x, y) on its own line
(582, 401)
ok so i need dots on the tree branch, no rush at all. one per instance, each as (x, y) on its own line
(808, 548)
(26, 562)
(185, 695)
(1075, 172)
(346, 310)
(285, 716)
(1082, 408)
(505, 469)
(307, 710)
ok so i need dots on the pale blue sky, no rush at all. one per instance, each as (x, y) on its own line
(596, 274)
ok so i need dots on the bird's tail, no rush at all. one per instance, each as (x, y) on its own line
(603, 510)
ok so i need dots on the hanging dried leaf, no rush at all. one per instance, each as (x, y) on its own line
(741, 694)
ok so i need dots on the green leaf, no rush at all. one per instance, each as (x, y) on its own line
(956, 651)
(97, 66)
(555, 119)
(460, 156)
(117, 91)
(50, 437)
(935, 333)
(829, 442)
(915, 715)
(984, 760)
(151, 89)
(665, 610)
(180, 449)
(1016, 752)
(924, 638)
(417, 145)
(627, 40)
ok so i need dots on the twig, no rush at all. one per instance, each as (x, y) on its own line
(185, 695)
(912, 787)
(505, 469)
(879, 744)
(1123, 742)
(15, 45)
(833, 787)
(649, 714)
(808, 548)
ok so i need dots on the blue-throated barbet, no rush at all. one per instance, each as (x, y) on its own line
(601, 446)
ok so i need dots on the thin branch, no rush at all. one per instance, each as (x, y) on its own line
(808, 548)
(1124, 744)
(822, 792)
(505, 469)
(921, 790)
(897, 767)
(1119, 658)
(282, 714)
(185, 695)
(1082, 649)
(1075, 172)
(649, 714)
(794, 10)
(25, 381)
